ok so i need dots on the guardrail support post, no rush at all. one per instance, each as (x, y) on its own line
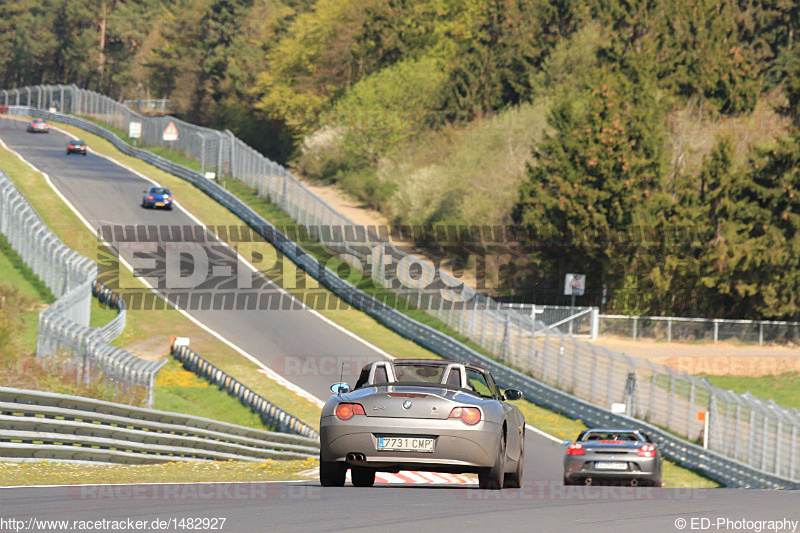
(669, 330)
(635, 320)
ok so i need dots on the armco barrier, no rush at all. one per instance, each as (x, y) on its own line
(44, 425)
(549, 354)
(271, 414)
(64, 325)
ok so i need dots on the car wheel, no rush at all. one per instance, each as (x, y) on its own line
(67, 152)
(362, 477)
(332, 473)
(492, 478)
(513, 480)
(84, 153)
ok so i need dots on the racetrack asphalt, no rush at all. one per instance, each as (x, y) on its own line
(297, 344)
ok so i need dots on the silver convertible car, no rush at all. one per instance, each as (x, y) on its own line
(430, 415)
(612, 455)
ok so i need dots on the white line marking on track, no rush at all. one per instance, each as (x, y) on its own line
(274, 376)
(543, 434)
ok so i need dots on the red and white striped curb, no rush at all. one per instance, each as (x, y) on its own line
(411, 478)
(420, 478)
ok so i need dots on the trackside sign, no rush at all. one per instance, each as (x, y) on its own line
(170, 132)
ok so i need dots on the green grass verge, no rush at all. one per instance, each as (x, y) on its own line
(357, 322)
(15, 273)
(781, 388)
(178, 388)
(50, 473)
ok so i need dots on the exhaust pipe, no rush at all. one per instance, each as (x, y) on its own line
(634, 482)
(587, 482)
(353, 457)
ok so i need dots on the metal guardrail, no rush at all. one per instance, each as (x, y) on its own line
(109, 298)
(271, 414)
(55, 426)
(64, 326)
(741, 427)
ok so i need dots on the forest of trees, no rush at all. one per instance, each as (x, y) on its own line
(603, 120)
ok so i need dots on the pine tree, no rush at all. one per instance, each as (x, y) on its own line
(594, 176)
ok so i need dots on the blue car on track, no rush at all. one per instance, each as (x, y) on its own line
(157, 197)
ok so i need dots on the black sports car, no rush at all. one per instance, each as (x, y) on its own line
(76, 147)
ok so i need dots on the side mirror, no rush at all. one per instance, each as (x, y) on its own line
(513, 394)
(340, 388)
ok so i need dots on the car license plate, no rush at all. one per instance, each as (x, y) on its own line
(160, 204)
(405, 444)
(607, 465)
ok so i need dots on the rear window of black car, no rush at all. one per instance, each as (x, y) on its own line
(612, 436)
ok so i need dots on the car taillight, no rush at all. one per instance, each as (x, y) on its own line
(575, 448)
(150, 198)
(71, 147)
(647, 450)
(345, 411)
(468, 415)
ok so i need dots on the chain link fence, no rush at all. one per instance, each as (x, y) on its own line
(64, 338)
(680, 329)
(578, 321)
(760, 434)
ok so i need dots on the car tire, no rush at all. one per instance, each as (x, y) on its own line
(332, 473)
(493, 478)
(362, 477)
(67, 152)
(513, 480)
(84, 153)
